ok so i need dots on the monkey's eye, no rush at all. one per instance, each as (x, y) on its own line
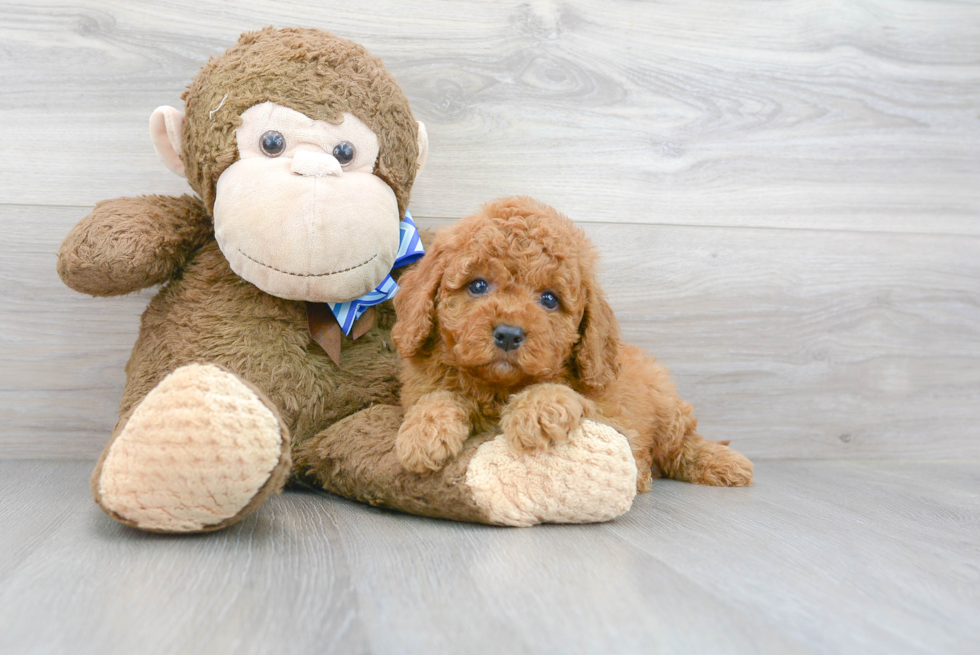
(272, 143)
(548, 300)
(344, 152)
(479, 287)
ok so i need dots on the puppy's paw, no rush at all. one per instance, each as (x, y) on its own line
(720, 466)
(432, 434)
(543, 415)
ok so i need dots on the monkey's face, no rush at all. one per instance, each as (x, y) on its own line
(301, 214)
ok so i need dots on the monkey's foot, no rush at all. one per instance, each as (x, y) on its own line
(200, 452)
(588, 479)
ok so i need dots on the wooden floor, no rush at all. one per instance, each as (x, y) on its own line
(817, 557)
(784, 198)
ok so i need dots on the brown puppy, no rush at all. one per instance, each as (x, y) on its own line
(503, 323)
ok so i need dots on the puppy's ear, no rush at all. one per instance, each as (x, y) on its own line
(415, 303)
(597, 352)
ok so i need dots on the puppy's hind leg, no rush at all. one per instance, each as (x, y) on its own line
(697, 460)
(712, 462)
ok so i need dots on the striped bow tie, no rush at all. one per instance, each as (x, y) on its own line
(325, 327)
(409, 250)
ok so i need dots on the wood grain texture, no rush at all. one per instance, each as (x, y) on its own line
(823, 115)
(792, 343)
(142, 593)
(785, 198)
(686, 136)
(817, 557)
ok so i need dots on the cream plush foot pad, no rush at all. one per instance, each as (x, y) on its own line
(195, 452)
(589, 479)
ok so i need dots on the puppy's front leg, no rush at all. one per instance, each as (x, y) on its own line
(433, 431)
(543, 414)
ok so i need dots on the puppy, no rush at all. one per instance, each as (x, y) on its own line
(502, 324)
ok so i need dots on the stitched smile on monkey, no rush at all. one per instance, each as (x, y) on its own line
(295, 184)
(305, 206)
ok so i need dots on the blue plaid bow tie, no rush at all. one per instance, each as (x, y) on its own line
(409, 250)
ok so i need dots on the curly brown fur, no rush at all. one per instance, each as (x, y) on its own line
(570, 365)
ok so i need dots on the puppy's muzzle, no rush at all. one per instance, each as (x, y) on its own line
(508, 337)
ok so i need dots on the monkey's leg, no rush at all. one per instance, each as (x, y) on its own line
(200, 452)
(590, 478)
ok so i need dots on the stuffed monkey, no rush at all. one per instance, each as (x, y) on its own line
(266, 355)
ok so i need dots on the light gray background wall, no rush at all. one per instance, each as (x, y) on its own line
(786, 194)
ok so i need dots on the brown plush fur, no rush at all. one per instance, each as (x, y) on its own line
(129, 244)
(356, 458)
(571, 365)
(311, 71)
(207, 313)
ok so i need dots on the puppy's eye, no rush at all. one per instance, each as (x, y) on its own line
(344, 152)
(272, 143)
(548, 300)
(479, 287)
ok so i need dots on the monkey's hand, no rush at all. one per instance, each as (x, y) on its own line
(543, 415)
(433, 432)
(127, 244)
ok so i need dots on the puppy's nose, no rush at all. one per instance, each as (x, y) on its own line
(508, 337)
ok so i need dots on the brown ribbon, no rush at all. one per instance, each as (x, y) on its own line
(325, 330)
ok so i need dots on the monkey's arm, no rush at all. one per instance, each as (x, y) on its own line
(128, 244)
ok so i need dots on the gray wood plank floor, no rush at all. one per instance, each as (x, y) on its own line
(817, 557)
(784, 195)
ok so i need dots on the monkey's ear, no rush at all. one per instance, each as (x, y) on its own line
(415, 303)
(166, 131)
(423, 148)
